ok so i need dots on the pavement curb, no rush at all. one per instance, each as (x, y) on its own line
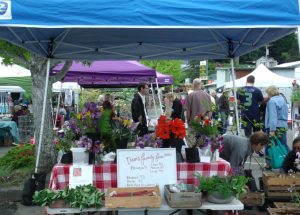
(11, 194)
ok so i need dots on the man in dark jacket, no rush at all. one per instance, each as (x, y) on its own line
(139, 110)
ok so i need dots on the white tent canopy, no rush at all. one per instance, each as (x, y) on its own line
(65, 86)
(263, 78)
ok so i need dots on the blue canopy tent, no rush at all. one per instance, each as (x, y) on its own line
(147, 30)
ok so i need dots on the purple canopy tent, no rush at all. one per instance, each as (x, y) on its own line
(111, 74)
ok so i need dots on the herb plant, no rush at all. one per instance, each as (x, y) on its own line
(80, 197)
(225, 185)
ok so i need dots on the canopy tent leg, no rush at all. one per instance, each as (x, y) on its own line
(57, 106)
(158, 91)
(235, 99)
(43, 116)
(172, 88)
(83, 95)
(154, 100)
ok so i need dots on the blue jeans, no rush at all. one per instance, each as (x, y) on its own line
(225, 121)
(282, 139)
(215, 115)
(67, 116)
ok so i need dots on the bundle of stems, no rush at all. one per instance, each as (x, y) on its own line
(139, 193)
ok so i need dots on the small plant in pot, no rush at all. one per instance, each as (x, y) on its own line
(222, 190)
(123, 130)
(150, 141)
(174, 131)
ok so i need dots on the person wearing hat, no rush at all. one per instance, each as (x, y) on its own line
(224, 109)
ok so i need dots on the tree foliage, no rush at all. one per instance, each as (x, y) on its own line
(167, 67)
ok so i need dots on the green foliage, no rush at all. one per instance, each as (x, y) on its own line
(5, 171)
(26, 96)
(223, 185)
(168, 67)
(123, 105)
(107, 132)
(295, 95)
(10, 158)
(81, 197)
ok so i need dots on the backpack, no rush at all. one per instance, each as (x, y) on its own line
(35, 183)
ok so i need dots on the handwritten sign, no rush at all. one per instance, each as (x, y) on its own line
(146, 168)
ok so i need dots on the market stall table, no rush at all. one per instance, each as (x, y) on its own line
(11, 127)
(105, 175)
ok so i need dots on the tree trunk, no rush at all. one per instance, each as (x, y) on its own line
(48, 150)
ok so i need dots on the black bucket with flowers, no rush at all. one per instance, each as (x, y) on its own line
(123, 129)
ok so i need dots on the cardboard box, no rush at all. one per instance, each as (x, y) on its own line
(8, 142)
(134, 201)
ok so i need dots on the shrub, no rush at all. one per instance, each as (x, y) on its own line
(26, 157)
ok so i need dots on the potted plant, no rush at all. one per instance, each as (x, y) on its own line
(122, 131)
(85, 145)
(174, 131)
(87, 122)
(149, 141)
(222, 190)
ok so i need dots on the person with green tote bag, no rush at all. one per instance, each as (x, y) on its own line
(276, 125)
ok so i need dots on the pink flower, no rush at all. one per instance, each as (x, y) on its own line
(85, 127)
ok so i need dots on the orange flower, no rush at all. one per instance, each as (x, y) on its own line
(162, 132)
(200, 115)
(181, 134)
(162, 119)
(206, 122)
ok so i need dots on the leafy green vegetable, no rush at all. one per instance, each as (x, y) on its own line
(80, 197)
(224, 185)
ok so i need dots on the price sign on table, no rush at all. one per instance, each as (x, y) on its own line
(146, 167)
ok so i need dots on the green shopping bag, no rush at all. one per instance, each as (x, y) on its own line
(277, 154)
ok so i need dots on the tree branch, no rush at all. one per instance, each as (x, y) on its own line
(62, 72)
(21, 59)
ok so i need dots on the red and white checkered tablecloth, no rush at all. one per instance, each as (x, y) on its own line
(105, 175)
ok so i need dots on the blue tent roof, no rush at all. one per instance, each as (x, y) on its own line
(146, 29)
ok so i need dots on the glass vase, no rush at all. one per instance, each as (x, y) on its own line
(213, 157)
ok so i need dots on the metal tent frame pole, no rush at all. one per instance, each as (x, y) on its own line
(235, 99)
(154, 99)
(158, 91)
(43, 116)
(172, 88)
(57, 106)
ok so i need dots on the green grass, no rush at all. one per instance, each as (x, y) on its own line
(25, 171)
(12, 182)
(5, 171)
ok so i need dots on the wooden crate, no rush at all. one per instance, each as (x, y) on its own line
(279, 204)
(269, 181)
(253, 198)
(133, 201)
(8, 142)
(278, 211)
(279, 191)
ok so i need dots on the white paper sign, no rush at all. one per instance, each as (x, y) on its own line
(205, 159)
(5, 10)
(80, 175)
(146, 168)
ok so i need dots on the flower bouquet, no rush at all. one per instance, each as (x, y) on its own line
(172, 133)
(87, 121)
(205, 125)
(122, 131)
(149, 140)
(216, 146)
